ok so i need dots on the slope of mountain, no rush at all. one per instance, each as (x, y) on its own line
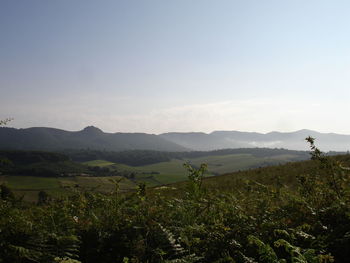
(89, 138)
(51, 139)
(236, 139)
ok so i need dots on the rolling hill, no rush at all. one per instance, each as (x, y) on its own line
(237, 139)
(92, 138)
(50, 139)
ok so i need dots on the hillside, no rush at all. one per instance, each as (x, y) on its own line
(50, 139)
(237, 139)
(170, 169)
(92, 138)
(39, 164)
(145, 157)
(297, 212)
(28, 172)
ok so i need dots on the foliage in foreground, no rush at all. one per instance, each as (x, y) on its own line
(260, 223)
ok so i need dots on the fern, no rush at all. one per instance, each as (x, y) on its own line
(176, 251)
(297, 255)
(65, 260)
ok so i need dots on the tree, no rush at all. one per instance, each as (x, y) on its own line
(43, 198)
(6, 193)
(4, 122)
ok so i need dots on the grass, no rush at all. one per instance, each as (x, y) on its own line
(173, 171)
(100, 163)
(161, 173)
(277, 175)
(101, 184)
(227, 163)
(153, 174)
(167, 172)
(29, 186)
(235, 162)
(30, 182)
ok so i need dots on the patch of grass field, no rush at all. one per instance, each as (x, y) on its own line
(101, 184)
(100, 163)
(227, 163)
(173, 171)
(29, 186)
(159, 173)
(31, 183)
(153, 175)
(235, 162)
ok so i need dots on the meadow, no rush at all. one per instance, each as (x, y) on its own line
(173, 171)
(156, 174)
(28, 187)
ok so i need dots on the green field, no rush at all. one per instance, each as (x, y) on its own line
(29, 186)
(234, 162)
(101, 163)
(153, 175)
(173, 171)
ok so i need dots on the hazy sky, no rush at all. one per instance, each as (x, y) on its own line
(176, 65)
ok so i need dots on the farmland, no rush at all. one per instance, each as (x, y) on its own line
(173, 171)
(29, 186)
(101, 175)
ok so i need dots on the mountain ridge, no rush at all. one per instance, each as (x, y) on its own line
(52, 139)
(238, 139)
(91, 137)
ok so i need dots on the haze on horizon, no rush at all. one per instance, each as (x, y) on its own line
(159, 66)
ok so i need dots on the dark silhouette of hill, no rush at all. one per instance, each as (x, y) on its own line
(236, 139)
(51, 139)
(92, 138)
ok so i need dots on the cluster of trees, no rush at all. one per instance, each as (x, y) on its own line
(49, 164)
(38, 163)
(133, 158)
(28, 157)
(257, 222)
(113, 171)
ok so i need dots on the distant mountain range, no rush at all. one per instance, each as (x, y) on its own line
(51, 139)
(236, 139)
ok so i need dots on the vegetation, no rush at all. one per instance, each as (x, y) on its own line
(143, 157)
(36, 163)
(258, 221)
(28, 187)
(50, 139)
(27, 172)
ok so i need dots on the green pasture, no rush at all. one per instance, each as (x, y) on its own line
(159, 173)
(153, 175)
(223, 164)
(29, 186)
(173, 171)
(227, 163)
(100, 163)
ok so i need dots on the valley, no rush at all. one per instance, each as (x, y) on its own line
(58, 176)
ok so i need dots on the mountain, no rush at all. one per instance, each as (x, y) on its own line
(51, 139)
(236, 139)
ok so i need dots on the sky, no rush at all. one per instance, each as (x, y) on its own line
(176, 65)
